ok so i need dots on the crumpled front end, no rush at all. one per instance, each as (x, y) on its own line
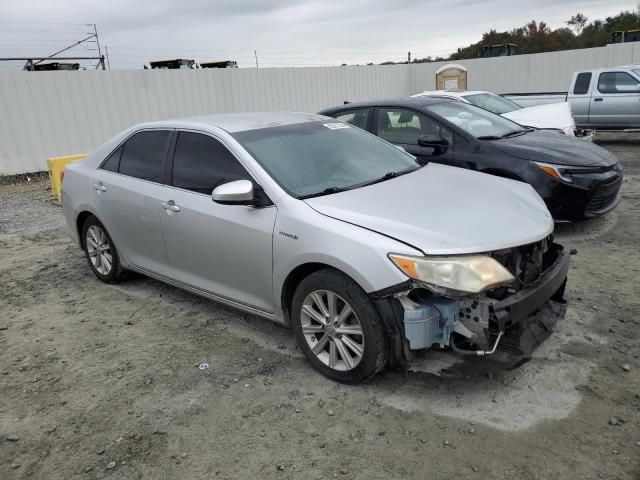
(509, 320)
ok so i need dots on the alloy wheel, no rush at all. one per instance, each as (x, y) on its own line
(332, 330)
(99, 249)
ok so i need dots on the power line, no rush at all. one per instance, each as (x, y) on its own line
(46, 23)
(40, 31)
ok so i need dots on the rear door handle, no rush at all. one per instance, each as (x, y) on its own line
(100, 187)
(598, 99)
(170, 205)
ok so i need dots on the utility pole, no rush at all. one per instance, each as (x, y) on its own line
(106, 51)
(95, 32)
(255, 54)
(409, 67)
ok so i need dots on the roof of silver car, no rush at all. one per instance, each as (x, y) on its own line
(240, 122)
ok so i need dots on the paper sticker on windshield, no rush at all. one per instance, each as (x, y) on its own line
(336, 126)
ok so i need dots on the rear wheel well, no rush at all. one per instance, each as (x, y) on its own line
(82, 217)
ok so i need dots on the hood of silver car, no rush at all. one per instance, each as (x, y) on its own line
(444, 210)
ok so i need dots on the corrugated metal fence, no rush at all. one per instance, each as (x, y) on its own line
(45, 114)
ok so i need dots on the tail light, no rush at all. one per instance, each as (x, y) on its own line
(61, 176)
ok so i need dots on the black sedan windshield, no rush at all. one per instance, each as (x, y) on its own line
(318, 158)
(474, 120)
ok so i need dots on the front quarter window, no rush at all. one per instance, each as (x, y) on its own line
(402, 126)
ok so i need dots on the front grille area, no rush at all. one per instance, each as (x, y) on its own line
(527, 263)
(604, 196)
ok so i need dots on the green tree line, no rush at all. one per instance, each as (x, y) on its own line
(537, 37)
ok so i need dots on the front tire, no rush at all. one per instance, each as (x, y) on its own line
(101, 252)
(338, 328)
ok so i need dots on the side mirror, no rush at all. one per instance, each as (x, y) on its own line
(239, 192)
(439, 144)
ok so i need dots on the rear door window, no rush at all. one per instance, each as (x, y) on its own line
(582, 83)
(357, 118)
(201, 163)
(617, 82)
(143, 155)
(403, 126)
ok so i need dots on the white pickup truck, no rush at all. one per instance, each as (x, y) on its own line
(604, 98)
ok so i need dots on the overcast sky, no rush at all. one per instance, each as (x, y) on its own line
(284, 33)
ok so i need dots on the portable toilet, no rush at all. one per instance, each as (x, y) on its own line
(452, 76)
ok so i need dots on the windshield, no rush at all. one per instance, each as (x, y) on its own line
(492, 102)
(475, 121)
(323, 157)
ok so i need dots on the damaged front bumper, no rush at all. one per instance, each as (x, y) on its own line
(510, 327)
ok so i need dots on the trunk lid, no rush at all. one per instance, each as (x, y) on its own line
(554, 115)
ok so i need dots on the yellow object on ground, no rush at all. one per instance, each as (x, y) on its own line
(56, 167)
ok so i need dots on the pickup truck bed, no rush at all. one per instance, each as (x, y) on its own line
(533, 99)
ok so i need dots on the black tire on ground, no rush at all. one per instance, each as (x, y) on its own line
(374, 357)
(116, 273)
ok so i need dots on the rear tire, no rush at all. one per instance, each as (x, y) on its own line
(338, 328)
(101, 252)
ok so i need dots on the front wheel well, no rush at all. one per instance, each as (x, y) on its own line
(293, 280)
(388, 308)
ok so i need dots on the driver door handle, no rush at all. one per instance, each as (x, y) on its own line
(170, 205)
(99, 187)
(598, 99)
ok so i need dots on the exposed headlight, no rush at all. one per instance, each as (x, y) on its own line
(469, 274)
(555, 171)
(564, 172)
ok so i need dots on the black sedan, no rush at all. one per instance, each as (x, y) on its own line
(576, 179)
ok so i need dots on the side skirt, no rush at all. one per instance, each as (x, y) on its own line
(209, 295)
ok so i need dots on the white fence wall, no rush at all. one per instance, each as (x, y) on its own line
(540, 72)
(45, 114)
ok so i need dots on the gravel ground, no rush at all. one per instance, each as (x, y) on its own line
(101, 381)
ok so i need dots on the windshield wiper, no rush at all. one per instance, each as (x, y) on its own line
(326, 191)
(330, 190)
(387, 176)
(514, 133)
(489, 137)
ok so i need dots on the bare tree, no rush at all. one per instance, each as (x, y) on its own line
(577, 22)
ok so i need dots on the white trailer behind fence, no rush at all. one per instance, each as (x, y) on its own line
(46, 114)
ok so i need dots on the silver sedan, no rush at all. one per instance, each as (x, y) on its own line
(368, 254)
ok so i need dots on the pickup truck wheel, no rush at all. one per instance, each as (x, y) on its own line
(338, 327)
(101, 252)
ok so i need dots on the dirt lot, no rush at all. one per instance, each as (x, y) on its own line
(92, 374)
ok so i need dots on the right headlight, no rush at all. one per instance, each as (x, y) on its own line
(465, 273)
(554, 171)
